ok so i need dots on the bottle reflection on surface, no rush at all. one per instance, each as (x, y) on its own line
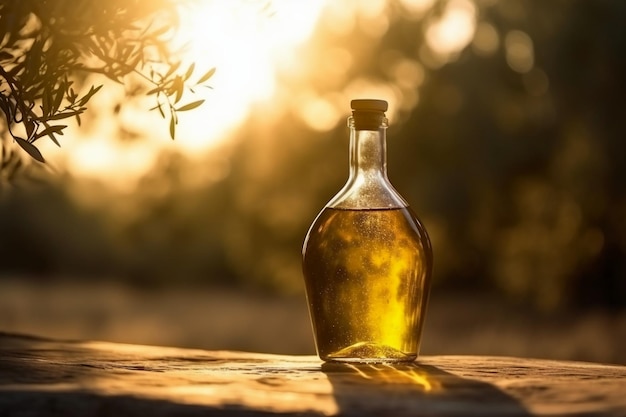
(413, 377)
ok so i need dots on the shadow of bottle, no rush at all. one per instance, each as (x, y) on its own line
(414, 390)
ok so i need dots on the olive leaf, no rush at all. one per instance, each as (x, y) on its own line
(47, 46)
(29, 148)
(206, 76)
(190, 106)
(172, 127)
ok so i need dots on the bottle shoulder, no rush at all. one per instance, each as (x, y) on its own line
(344, 227)
(359, 193)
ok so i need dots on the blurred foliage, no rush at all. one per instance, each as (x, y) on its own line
(530, 179)
(516, 167)
(49, 46)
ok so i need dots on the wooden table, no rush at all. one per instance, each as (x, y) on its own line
(64, 378)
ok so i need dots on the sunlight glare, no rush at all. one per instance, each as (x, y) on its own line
(244, 43)
(95, 156)
(244, 40)
(94, 151)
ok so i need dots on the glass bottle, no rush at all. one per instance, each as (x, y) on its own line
(367, 259)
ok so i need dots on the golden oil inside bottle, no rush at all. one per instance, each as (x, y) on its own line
(365, 271)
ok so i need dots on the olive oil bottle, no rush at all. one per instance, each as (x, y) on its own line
(367, 259)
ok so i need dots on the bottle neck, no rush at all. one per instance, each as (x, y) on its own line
(368, 186)
(368, 153)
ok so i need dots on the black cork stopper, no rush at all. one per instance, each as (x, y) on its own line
(368, 114)
(369, 105)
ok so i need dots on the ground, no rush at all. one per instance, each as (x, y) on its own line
(211, 318)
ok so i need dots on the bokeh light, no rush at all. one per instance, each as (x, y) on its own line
(454, 29)
(519, 51)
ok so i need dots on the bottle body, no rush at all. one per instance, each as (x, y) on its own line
(367, 259)
(367, 274)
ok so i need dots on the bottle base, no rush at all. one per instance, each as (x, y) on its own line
(366, 352)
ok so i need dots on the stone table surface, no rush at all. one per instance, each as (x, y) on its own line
(83, 378)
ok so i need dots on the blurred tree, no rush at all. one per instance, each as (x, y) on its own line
(49, 46)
